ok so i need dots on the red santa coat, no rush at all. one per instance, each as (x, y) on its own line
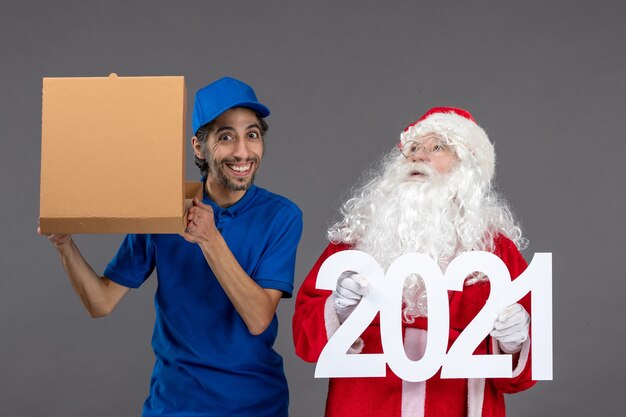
(315, 320)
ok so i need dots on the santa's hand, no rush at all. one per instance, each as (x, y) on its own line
(351, 287)
(511, 328)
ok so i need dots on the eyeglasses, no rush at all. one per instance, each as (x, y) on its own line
(431, 147)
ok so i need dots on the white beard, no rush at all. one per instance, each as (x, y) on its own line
(411, 216)
(440, 216)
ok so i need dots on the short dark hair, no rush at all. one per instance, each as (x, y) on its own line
(202, 134)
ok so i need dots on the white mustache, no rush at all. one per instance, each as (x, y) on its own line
(419, 167)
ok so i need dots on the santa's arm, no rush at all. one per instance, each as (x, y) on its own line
(314, 318)
(522, 377)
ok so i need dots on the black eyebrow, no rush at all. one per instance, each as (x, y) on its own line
(223, 128)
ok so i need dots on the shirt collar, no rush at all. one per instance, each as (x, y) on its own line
(236, 208)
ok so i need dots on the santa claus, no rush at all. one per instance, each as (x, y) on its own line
(434, 195)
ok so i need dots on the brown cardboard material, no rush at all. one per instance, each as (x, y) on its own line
(113, 155)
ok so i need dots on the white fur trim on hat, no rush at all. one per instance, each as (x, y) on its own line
(458, 130)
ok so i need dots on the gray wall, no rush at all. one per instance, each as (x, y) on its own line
(546, 79)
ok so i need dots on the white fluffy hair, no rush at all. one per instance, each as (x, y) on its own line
(389, 215)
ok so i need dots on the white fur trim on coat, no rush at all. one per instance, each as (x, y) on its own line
(523, 355)
(475, 396)
(414, 393)
(331, 321)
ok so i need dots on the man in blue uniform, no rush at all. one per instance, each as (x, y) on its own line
(219, 283)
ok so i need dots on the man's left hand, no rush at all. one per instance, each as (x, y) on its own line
(200, 223)
(511, 328)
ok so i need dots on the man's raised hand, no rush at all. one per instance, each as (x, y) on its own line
(200, 223)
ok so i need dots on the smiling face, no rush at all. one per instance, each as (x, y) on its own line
(233, 149)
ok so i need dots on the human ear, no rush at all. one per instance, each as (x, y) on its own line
(197, 147)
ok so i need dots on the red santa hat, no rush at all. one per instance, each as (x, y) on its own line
(459, 127)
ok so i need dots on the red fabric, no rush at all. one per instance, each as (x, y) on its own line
(382, 396)
(460, 112)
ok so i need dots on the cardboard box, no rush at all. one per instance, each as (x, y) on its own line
(113, 155)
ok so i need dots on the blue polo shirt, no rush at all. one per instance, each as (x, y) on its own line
(207, 362)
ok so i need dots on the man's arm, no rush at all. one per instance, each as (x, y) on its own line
(255, 305)
(98, 294)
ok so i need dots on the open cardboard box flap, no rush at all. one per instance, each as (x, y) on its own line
(113, 155)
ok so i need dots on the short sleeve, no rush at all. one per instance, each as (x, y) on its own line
(277, 264)
(134, 261)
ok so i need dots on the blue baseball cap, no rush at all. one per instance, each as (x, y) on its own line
(221, 95)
